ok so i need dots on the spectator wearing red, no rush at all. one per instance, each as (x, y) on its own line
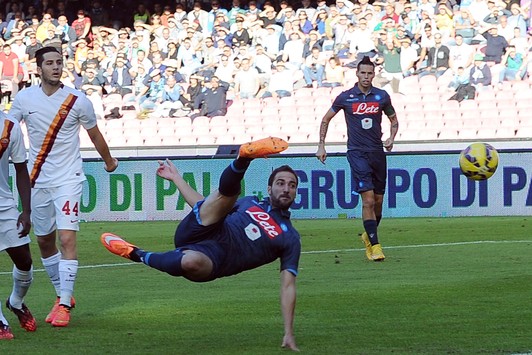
(10, 69)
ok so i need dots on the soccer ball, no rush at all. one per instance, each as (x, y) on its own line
(479, 161)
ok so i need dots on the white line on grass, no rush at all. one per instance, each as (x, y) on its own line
(332, 251)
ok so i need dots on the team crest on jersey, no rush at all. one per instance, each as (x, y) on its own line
(63, 113)
(4, 142)
(265, 221)
(365, 108)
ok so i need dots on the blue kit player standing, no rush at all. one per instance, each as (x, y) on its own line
(224, 235)
(363, 106)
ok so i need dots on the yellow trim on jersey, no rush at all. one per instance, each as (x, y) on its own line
(51, 135)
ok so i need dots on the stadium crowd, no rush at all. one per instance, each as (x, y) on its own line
(193, 58)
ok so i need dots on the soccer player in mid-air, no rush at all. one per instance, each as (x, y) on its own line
(15, 227)
(363, 106)
(224, 235)
(54, 114)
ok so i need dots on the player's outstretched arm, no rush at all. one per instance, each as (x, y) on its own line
(168, 171)
(321, 154)
(103, 149)
(288, 307)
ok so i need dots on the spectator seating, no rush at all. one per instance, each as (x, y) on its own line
(423, 108)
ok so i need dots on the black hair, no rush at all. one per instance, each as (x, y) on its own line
(39, 55)
(281, 169)
(365, 61)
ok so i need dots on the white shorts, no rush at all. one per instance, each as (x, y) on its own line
(55, 208)
(9, 237)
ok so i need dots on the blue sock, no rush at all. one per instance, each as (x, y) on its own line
(370, 226)
(169, 262)
(232, 176)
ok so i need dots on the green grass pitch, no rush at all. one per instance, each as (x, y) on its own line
(447, 286)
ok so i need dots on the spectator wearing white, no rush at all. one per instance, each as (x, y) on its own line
(247, 81)
(162, 41)
(170, 99)
(361, 41)
(461, 54)
(340, 26)
(200, 16)
(187, 62)
(520, 42)
(180, 14)
(225, 69)
(314, 68)
(270, 41)
(479, 10)
(142, 34)
(504, 28)
(263, 63)
(344, 7)
(464, 25)
(281, 83)
(142, 60)
(420, 34)
(293, 51)
(365, 5)
(307, 8)
(286, 14)
(427, 42)
(409, 18)
(518, 18)
(408, 57)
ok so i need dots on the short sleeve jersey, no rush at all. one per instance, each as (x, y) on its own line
(256, 234)
(11, 145)
(53, 124)
(363, 115)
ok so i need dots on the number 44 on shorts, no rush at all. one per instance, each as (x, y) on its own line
(68, 211)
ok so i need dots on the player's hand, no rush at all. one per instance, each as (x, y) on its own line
(111, 167)
(388, 144)
(289, 342)
(321, 154)
(24, 223)
(167, 170)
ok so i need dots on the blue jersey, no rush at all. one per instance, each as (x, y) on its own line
(251, 235)
(363, 115)
(255, 234)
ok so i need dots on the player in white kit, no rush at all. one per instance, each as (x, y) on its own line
(15, 226)
(54, 114)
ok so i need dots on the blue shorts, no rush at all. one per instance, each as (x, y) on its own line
(191, 235)
(368, 170)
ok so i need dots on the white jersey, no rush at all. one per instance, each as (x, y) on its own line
(11, 145)
(53, 124)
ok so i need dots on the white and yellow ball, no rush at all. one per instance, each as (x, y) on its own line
(479, 161)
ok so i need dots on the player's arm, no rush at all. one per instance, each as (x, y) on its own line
(394, 128)
(24, 188)
(288, 307)
(168, 171)
(103, 149)
(321, 154)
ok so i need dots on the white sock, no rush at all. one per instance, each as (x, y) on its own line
(21, 283)
(2, 318)
(68, 270)
(51, 265)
